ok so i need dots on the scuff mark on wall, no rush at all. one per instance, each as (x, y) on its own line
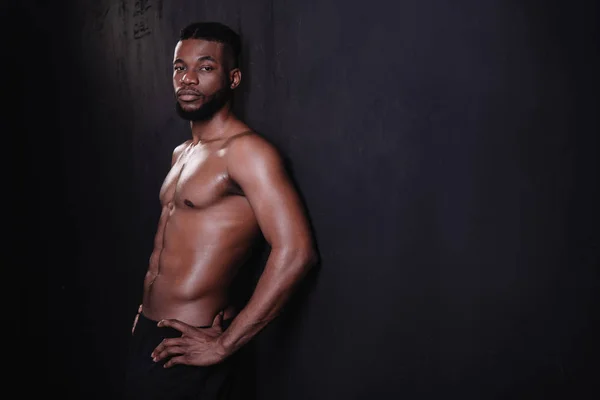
(141, 27)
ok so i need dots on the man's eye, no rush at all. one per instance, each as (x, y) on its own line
(206, 68)
(178, 68)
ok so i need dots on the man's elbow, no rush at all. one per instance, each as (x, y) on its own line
(303, 258)
(310, 257)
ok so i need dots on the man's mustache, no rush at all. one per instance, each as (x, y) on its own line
(183, 92)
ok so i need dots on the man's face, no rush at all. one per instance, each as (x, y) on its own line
(200, 79)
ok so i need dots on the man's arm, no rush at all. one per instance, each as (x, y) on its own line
(257, 167)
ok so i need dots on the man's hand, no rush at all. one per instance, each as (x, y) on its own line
(196, 346)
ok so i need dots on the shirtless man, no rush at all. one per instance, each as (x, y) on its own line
(227, 187)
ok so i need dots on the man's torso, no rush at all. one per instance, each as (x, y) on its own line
(206, 230)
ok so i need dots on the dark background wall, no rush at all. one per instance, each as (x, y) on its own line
(446, 151)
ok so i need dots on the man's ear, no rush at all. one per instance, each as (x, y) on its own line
(235, 78)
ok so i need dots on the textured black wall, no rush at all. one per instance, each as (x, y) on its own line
(447, 153)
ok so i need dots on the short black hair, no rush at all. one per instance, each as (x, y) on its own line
(216, 32)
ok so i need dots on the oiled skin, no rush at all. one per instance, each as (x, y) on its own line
(206, 230)
(227, 185)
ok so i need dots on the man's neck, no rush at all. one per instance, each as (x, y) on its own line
(212, 129)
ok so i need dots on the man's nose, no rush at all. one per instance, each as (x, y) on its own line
(190, 78)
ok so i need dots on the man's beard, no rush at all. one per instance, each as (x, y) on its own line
(213, 104)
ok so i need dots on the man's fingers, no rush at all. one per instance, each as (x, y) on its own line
(176, 324)
(176, 360)
(218, 320)
(169, 351)
(166, 343)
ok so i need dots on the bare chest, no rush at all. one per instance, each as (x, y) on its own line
(198, 179)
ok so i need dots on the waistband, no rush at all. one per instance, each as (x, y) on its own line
(142, 319)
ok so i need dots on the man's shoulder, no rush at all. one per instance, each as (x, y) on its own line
(180, 147)
(178, 150)
(250, 142)
(252, 152)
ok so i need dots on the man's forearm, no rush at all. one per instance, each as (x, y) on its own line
(283, 270)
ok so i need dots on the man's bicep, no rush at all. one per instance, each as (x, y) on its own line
(261, 174)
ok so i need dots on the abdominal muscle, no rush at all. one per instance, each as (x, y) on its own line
(195, 258)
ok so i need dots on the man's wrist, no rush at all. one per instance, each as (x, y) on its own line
(224, 348)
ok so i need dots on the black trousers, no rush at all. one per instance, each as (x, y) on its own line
(146, 379)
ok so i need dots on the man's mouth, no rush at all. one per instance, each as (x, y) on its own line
(188, 95)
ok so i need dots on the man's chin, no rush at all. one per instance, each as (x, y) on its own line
(189, 108)
(203, 110)
(191, 112)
